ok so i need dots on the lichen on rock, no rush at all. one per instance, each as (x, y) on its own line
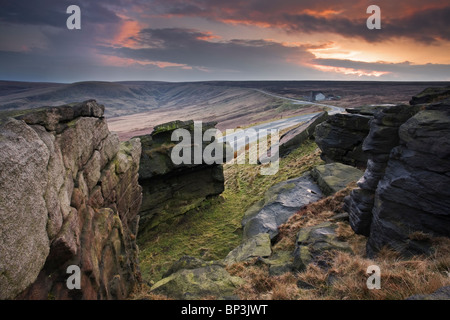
(69, 196)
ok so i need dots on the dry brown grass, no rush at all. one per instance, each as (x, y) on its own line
(399, 278)
(260, 286)
(311, 215)
(346, 277)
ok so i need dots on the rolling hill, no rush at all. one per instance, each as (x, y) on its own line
(134, 107)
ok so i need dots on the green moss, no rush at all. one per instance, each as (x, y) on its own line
(170, 126)
(213, 230)
(431, 91)
(4, 115)
(72, 123)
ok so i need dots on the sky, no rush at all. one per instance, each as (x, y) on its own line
(201, 40)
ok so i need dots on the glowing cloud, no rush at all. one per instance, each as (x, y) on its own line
(350, 71)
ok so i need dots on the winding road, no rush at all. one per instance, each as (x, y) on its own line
(241, 138)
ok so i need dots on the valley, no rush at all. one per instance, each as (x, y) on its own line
(135, 107)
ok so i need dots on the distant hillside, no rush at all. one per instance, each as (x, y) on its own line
(120, 98)
(134, 107)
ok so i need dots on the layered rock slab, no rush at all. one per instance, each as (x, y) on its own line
(258, 246)
(333, 177)
(413, 195)
(403, 191)
(170, 189)
(280, 202)
(340, 138)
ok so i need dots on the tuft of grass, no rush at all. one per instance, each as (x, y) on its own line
(399, 278)
(311, 215)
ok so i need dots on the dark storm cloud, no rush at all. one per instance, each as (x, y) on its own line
(193, 48)
(426, 26)
(115, 29)
(23, 66)
(307, 16)
(53, 12)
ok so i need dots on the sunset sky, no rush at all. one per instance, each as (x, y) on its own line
(195, 40)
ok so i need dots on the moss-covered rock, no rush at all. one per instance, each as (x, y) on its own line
(315, 240)
(333, 177)
(254, 247)
(188, 262)
(279, 263)
(430, 95)
(194, 284)
(170, 189)
(280, 202)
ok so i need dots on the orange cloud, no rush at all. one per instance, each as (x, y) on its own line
(321, 13)
(260, 24)
(127, 30)
(115, 61)
(207, 36)
(349, 71)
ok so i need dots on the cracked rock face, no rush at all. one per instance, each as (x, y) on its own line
(69, 196)
(413, 195)
(24, 243)
(383, 136)
(404, 190)
(340, 138)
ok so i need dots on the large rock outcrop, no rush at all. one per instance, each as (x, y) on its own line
(340, 138)
(69, 195)
(430, 95)
(413, 195)
(173, 189)
(404, 191)
(383, 136)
